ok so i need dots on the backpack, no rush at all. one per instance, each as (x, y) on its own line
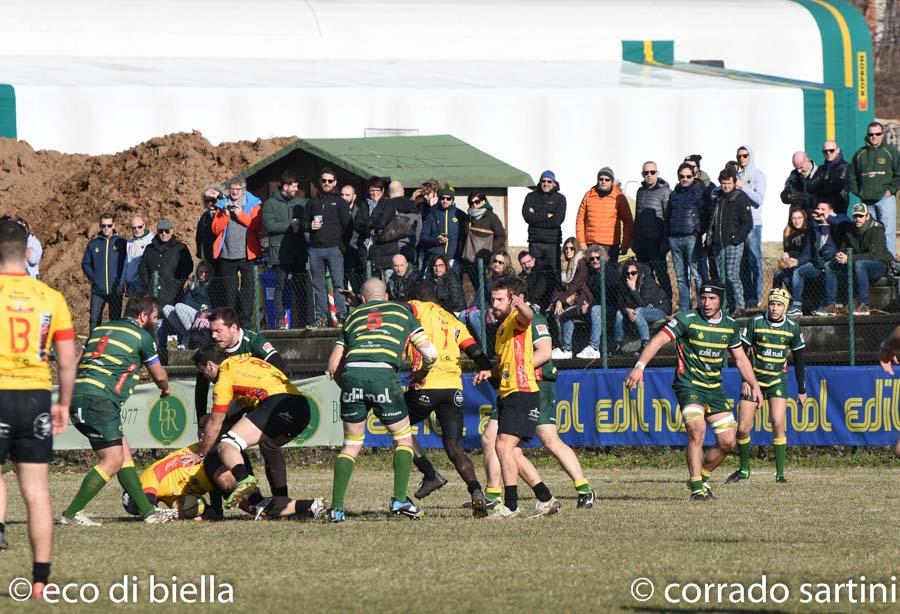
(397, 228)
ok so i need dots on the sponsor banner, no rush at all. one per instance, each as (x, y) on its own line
(858, 406)
(152, 422)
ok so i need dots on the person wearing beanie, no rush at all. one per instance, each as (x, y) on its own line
(443, 230)
(604, 217)
(544, 210)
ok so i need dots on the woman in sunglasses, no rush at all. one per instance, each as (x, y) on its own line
(485, 235)
(642, 301)
(500, 270)
(571, 256)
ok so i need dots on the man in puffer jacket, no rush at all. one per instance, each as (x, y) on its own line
(544, 210)
(685, 225)
(604, 217)
(649, 236)
(104, 265)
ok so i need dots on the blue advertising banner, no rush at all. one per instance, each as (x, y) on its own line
(858, 406)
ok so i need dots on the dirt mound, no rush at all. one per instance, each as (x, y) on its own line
(62, 195)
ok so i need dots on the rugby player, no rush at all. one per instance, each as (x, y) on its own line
(702, 337)
(277, 412)
(888, 357)
(108, 371)
(519, 397)
(34, 316)
(441, 393)
(175, 477)
(767, 339)
(227, 333)
(545, 373)
(364, 363)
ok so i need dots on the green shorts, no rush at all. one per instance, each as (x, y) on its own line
(712, 401)
(98, 419)
(775, 391)
(375, 388)
(548, 403)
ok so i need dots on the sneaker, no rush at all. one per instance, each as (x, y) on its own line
(585, 500)
(161, 515)
(861, 310)
(561, 354)
(319, 508)
(780, 479)
(80, 519)
(493, 503)
(640, 350)
(426, 486)
(699, 496)
(708, 491)
(4, 545)
(406, 508)
(261, 509)
(737, 476)
(479, 505)
(503, 512)
(827, 310)
(617, 349)
(794, 312)
(546, 508)
(241, 491)
(334, 515)
(588, 353)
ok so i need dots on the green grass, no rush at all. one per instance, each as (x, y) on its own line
(828, 524)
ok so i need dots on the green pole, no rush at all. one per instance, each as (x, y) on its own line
(368, 271)
(720, 265)
(154, 283)
(851, 321)
(603, 340)
(254, 279)
(481, 304)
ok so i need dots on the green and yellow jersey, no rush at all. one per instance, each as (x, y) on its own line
(377, 331)
(110, 366)
(769, 344)
(701, 348)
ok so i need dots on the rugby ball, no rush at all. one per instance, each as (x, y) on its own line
(190, 507)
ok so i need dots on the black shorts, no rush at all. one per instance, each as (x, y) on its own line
(26, 431)
(519, 414)
(445, 402)
(281, 414)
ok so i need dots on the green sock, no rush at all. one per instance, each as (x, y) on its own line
(744, 450)
(343, 469)
(91, 485)
(696, 484)
(403, 456)
(493, 493)
(582, 486)
(780, 454)
(131, 483)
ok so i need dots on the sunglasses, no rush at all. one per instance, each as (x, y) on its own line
(476, 201)
(106, 225)
(594, 258)
(645, 173)
(327, 180)
(604, 180)
(858, 216)
(236, 189)
(165, 231)
(503, 262)
(743, 155)
(685, 176)
(569, 248)
(631, 273)
(828, 151)
(550, 181)
(875, 134)
(137, 227)
(446, 198)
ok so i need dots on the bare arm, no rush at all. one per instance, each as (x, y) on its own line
(67, 366)
(746, 370)
(336, 361)
(211, 432)
(160, 378)
(543, 348)
(637, 374)
(890, 348)
(525, 315)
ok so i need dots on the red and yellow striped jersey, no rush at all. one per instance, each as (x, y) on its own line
(248, 381)
(515, 356)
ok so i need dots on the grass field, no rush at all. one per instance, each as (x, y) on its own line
(836, 520)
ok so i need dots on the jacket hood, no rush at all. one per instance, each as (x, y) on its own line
(752, 162)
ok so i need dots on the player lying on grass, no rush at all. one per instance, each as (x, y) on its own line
(176, 479)
(702, 337)
(278, 412)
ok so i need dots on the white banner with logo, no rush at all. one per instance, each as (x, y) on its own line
(152, 422)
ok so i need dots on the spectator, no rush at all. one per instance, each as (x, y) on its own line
(685, 225)
(752, 182)
(830, 181)
(731, 224)
(544, 210)
(875, 177)
(408, 209)
(140, 239)
(500, 270)
(797, 251)
(827, 234)
(643, 301)
(694, 161)
(183, 316)
(584, 297)
(447, 285)
(485, 235)
(604, 217)
(103, 264)
(571, 256)
(441, 234)
(797, 192)
(281, 215)
(539, 280)
(236, 225)
(870, 255)
(400, 284)
(33, 251)
(326, 219)
(381, 233)
(352, 247)
(425, 198)
(205, 237)
(171, 260)
(649, 237)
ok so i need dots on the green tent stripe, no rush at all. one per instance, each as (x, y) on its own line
(7, 111)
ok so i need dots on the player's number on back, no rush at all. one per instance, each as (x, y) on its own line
(374, 320)
(19, 331)
(101, 347)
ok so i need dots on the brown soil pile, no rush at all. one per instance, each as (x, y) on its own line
(62, 195)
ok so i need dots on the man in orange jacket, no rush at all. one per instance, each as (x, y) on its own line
(604, 217)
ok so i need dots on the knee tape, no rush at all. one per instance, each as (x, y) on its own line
(235, 441)
(724, 424)
(402, 433)
(692, 413)
(354, 440)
